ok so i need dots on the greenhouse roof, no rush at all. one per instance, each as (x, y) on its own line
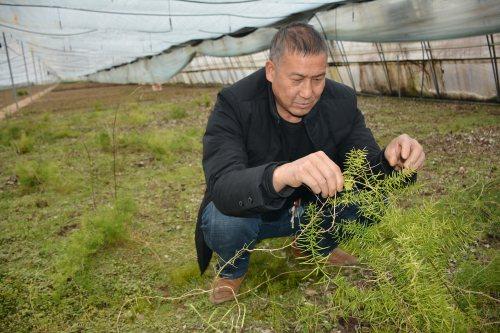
(158, 38)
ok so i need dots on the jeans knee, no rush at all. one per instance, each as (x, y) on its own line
(226, 234)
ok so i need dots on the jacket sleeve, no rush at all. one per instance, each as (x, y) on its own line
(235, 188)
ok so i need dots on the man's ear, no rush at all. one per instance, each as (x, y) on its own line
(270, 71)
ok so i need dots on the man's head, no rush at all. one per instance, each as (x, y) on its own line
(296, 68)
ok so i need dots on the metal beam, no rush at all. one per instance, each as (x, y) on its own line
(494, 64)
(423, 70)
(26, 70)
(40, 71)
(34, 67)
(381, 54)
(433, 70)
(399, 76)
(207, 66)
(340, 45)
(14, 93)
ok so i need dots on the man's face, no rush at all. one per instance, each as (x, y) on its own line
(297, 82)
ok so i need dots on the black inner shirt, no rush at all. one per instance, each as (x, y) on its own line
(298, 145)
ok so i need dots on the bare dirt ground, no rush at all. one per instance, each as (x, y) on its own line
(6, 97)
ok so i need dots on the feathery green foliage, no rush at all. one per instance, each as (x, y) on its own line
(407, 257)
(367, 190)
(99, 229)
(36, 175)
(24, 144)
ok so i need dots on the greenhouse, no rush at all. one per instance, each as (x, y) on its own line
(140, 140)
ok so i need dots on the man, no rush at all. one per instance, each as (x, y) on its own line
(276, 138)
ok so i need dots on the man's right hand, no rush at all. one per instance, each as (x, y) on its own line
(317, 171)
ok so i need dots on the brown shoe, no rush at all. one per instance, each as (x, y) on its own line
(340, 258)
(296, 251)
(225, 289)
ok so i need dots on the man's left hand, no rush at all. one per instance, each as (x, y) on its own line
(405, 152)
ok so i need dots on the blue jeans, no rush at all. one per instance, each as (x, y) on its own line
(226, 235)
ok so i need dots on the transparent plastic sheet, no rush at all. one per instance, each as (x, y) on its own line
(378, 21)
(151, 41)
(75, 39)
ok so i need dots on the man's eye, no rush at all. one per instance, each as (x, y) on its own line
(318, 79)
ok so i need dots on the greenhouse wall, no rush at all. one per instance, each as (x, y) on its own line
(461, 68)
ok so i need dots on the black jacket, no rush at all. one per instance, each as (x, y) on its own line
(243, 144)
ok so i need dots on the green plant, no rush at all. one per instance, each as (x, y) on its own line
(204, 100)
(104, 141)
(22, 92)
(183, 275)
(177, 112)
(98, 106)
(24, 144)
(35, 175)
(105, 227)
(10, 133)
(365, 189)
(165, 144)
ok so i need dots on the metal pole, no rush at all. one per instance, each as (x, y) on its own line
(252, 62)
(218, 69)
(341, 48)
(384, 64)
(433, 70)
(494, 65)
(332, 52)
(34, 67)
(399, 85)
(228, 69)
(207, 66)
(41, 72)
(14, 93)
(201, 69)
(26, 70)
(423, 70)
(233, 69)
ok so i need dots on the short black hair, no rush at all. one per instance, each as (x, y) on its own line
(297, 37)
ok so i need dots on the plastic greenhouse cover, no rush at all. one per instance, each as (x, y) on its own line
(150, 41)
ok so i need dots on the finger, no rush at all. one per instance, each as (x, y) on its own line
(340, 180)
(393, 151)
(328, 174)
(311, 177)
(332, 173)
(420, 161)
(405, 149)
(307, 179)
(415, 152)
(315, 172)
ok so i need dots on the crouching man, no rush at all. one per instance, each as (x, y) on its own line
(276, 138)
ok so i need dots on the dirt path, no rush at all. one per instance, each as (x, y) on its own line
(8, 110)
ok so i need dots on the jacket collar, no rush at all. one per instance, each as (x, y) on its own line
(272, 102)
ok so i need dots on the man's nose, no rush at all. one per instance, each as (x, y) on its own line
(306, 89)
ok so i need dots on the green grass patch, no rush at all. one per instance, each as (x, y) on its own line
(22, 92)
(36, 175)
(65, 266)
(24, 144)
(177, 112)
(99, 230)
(167, 145)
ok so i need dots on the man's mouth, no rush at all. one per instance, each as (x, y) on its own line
(303, 105)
